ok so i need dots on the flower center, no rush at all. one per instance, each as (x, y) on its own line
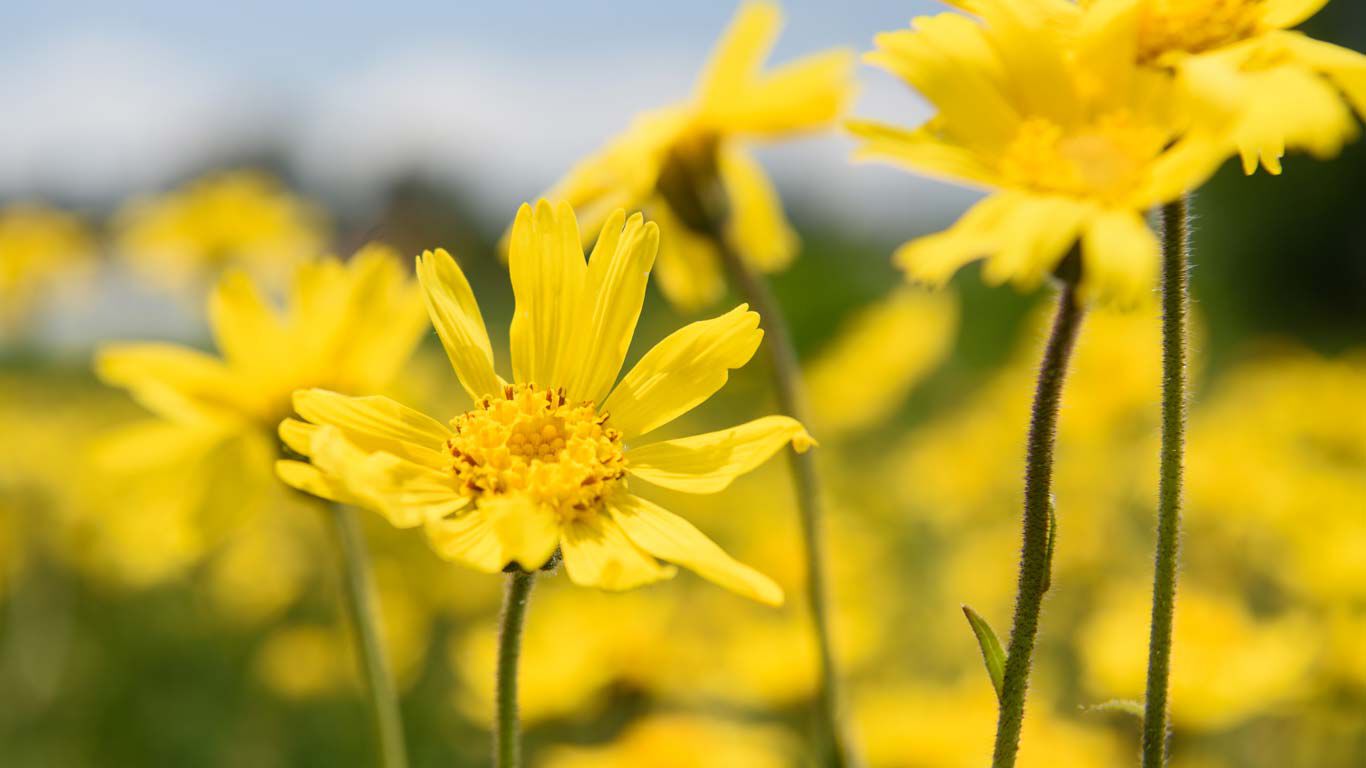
(531, 441)
(1104, 159)
(1195, 26)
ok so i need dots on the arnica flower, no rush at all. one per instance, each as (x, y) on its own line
(735, 101)
(1075, 140)
(543, 462)
(238, 218)
(1287, 90)
(349, 327)
(39, 248)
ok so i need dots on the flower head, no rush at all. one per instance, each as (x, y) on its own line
(238, 218)
(701, 143)
(547, 461)
(1238, 56)
(38, 247)
(1057, 118)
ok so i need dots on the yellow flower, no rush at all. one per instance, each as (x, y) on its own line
(542, 462)
(39, 248)
(1287, 90)
(683, 741)
(237, 218)
(734, 101)
(1058, 119)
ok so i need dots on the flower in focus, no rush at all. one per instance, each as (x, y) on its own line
(212, 437)
(237, 218)
(1287, 89)
(39, 248)
(542, 463)
(703, 140)
(1055, 116)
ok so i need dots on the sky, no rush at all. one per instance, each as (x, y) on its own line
(103, 100)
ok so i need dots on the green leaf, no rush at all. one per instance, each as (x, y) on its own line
(1118, 706)
(1052, 540)
(992, 655)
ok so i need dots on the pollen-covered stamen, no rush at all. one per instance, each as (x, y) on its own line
(1105, 158)
(1195, 26)
(532, 442)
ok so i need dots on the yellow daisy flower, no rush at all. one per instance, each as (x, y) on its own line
(1287, 90)
(39, 248)
(348, 327)
(1075, 140)
(237, 218)
(734, 101)
(543, 462)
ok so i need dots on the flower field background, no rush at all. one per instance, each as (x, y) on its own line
(165, 600)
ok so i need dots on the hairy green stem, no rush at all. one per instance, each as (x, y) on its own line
(360, 599)
(507, 731)
(1175, 342)
(834, 745)
(1034, 557)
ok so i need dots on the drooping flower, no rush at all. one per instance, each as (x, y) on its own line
(734, 102)
(234, 219)
(1287, 89)
(1055, 116)
(542, 462)
(39, 248)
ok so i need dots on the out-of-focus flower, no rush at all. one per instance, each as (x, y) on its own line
(877, 358)
(190, 475)
(234, 219)
(1287, 89)
(735, 101)
(541, 464)
(303, 661)
(1074, 138)
(40, 248)
(908, 726)
(1227, 665)
(682, 741)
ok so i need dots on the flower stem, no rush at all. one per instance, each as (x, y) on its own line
(1175, 342)
(507, 735)
(360, 598)
(1034, 560)
(834, 745)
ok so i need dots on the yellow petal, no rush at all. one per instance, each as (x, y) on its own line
(920, 151)
(805, 95)
(545, 258)
(467, 538)
(1120, 257)
(670, 537)
(688, 271)
(598, 554)
(682, 371)
(740, 52)
(1289, 13)
(309, 479)
(249, 332)
(382, 423)
(757, 228)
(708, 463)
(406, 493)
(298, 435)
(455, 315)
(617, 275)
(501, 531)
(175, 382)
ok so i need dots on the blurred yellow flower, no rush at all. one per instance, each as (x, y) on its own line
(1074, 138)
(235, 218)
(682, 741)
(541, 464)
(734, 101)
(1288, 90)
(1227, 664)
(40, 248)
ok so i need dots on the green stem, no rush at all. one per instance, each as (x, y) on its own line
(1034, 565)
(507, 736)
(360, 598)
(791, 401)
(1175, 342)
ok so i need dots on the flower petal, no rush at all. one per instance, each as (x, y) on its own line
(309, 479)
(174, 382)
(381, 423)
(757, 228)
(545, 258)
(501, 531)
(455, 315)
(739, 53)
(406, 493)
(682, 371)
(670, 537)
(597, 553)
(688, 271)
(708, 463)
(1120, 258)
